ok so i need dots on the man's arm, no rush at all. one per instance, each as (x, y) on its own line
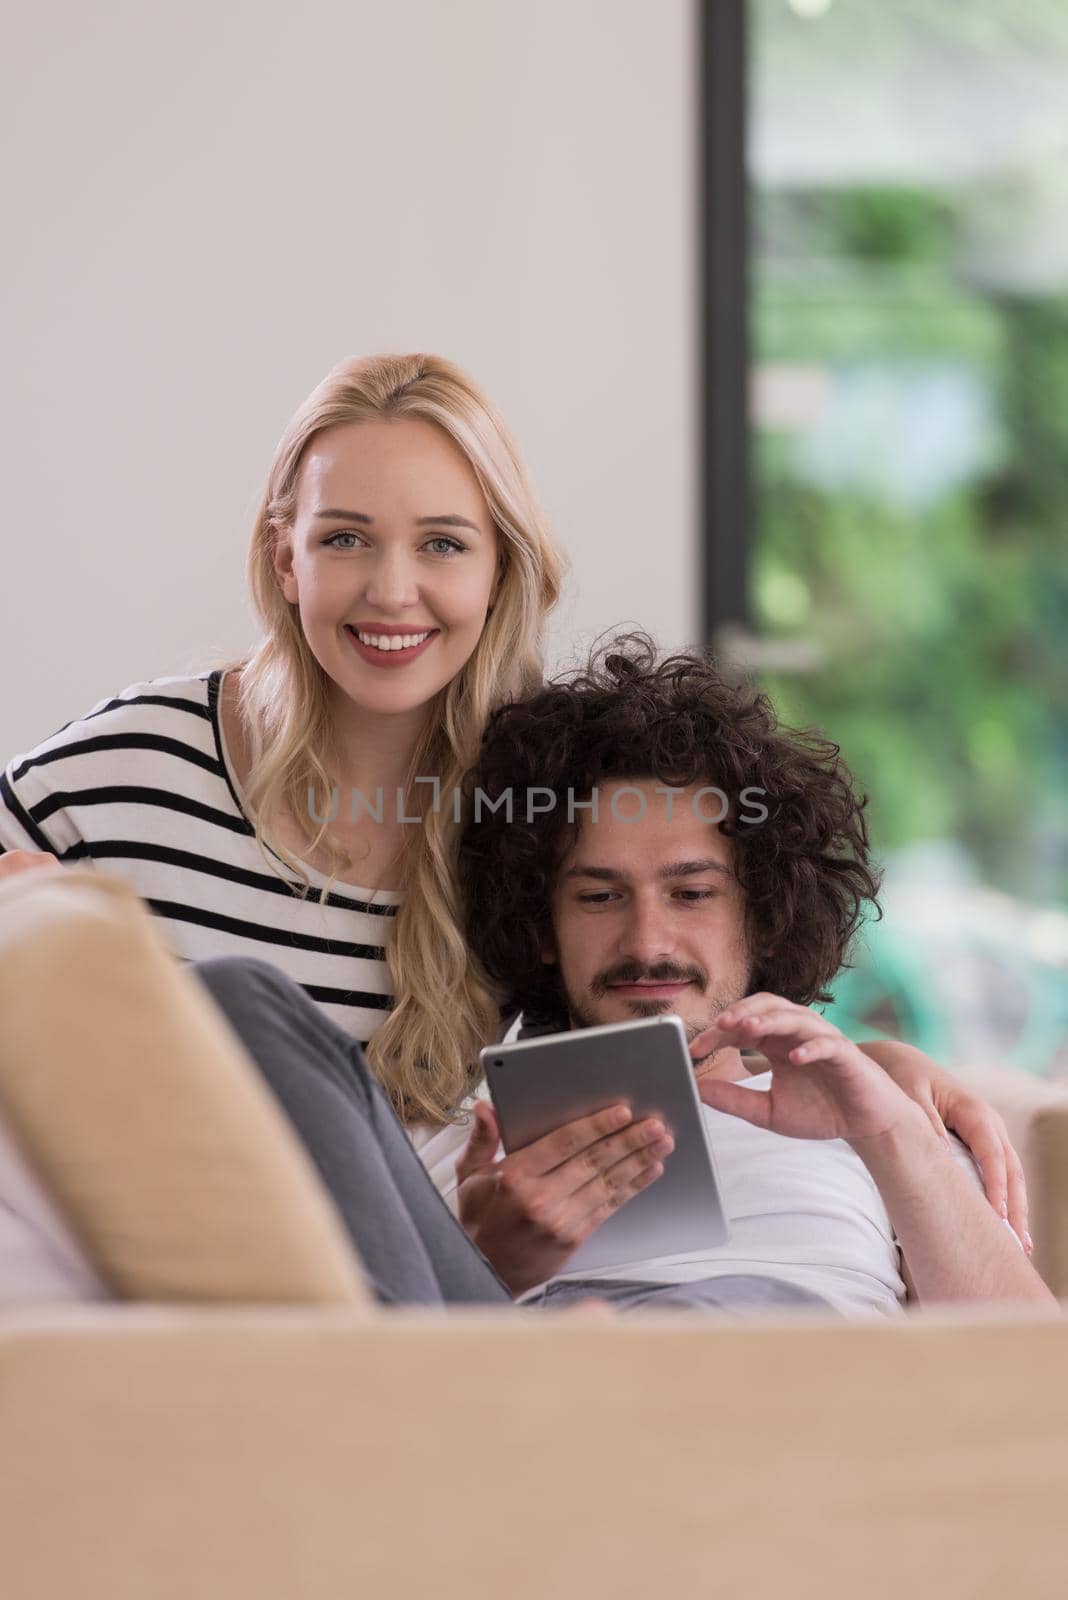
(950, 1103)
(822, 1087)
(954, 1247)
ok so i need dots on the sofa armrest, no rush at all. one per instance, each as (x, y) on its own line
(138, 1108)
(326, 1453)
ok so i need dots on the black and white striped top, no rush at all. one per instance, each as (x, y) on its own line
(141, 788)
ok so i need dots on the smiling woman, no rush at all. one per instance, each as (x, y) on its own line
(402, 571)
(387, 582)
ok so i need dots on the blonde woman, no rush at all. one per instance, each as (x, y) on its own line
(401, 570)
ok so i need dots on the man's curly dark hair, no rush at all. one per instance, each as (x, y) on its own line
(805, 872)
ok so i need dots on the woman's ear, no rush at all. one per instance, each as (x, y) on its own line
(282, 561)
(498, 579)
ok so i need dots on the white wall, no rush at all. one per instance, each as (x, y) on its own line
(210, 204)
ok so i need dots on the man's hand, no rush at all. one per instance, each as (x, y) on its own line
(822, 1085)
(529, 1212)
(13, 861)
(948, 1103)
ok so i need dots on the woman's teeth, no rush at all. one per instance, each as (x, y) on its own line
(393, 641)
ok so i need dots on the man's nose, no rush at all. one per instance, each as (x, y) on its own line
(646, 934)
(392, 584)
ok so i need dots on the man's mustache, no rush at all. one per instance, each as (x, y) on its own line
(636, 972)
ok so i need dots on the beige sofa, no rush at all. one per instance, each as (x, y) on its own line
(243, 1422)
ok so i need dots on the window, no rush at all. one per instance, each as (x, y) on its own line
(906, 565)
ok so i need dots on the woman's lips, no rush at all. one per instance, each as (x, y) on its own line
(388, 658)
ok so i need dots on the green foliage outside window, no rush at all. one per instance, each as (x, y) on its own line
(942, 625)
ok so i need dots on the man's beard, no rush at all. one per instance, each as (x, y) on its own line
(717, 1000)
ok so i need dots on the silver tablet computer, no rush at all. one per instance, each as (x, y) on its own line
(539, 1084)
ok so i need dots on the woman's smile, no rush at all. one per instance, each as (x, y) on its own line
(390, 646)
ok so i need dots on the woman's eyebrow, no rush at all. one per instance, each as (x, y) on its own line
(450, 520)
(347, 516)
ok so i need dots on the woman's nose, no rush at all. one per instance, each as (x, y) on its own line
(392, 582)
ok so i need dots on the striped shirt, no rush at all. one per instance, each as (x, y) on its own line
(142, 788)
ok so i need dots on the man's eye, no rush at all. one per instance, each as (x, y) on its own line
(449, 545)
(345, 533)
(599, 899)
(691, 895)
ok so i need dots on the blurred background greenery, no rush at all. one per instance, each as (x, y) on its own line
(909, 327)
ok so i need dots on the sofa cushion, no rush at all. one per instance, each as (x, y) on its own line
(41, 1260)
(133, 1100)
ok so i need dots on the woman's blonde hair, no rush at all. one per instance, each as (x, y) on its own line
(426, 1052)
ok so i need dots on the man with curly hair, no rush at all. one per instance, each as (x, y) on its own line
(646, 838)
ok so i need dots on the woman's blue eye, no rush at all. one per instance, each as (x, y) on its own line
(441, 545)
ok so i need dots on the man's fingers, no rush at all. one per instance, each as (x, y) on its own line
(487, 1118)
(617, 1183)
(802, 1037)
(725, 1026)
(555, 1190)
(481, 1147)
(781, 1022)
(705, 1042)
(745, 1021)
(566, 1205)
(555, 1149)
(736, 1100)
(777, 1022)
(759, 1005)
(603, 1206)
(832, 1047)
